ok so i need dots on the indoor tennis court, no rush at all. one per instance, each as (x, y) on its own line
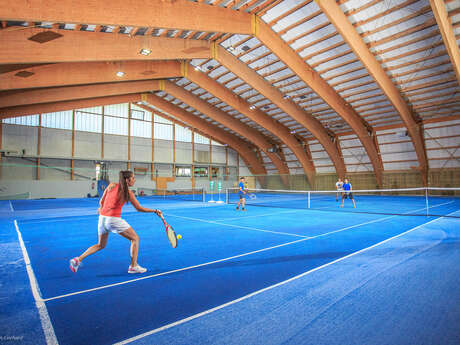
(231, 172)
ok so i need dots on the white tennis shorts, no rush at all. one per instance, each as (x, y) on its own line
(111, 224)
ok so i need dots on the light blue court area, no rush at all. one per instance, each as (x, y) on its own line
(270, 275)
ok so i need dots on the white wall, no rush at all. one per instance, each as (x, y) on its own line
(18, 138)
(55, 142)
(47, 189)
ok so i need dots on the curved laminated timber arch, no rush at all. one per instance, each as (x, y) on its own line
(312, 78)
(259, 117)
(245, 151)
(218, 115)
(354, 40)
(71, 44)
(82, 73)
(447, 33)
(32, 109)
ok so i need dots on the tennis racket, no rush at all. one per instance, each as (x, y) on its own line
(169, 232)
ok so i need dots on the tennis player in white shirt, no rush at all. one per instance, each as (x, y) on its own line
(339, 186)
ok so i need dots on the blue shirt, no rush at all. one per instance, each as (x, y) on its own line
(241, 187)
(347, 186)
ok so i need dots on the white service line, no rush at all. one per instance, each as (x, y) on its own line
(143, 335)
(259, 215)
(236, 226)
(47, 326)
(11, 206)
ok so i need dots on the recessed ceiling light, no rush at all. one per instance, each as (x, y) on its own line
(252, 107)
(145, 51)
(120, 74)
(197, 68)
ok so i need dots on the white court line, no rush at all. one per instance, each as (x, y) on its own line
(47, 326)
(259, 215)
(235, 226)
(143, 335)
(211, 262)
(11, 206)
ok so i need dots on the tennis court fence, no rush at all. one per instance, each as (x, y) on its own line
(429, 201)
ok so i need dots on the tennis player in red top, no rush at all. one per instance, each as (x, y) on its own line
(115, 196)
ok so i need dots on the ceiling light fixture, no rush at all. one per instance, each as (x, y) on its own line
(252, 107)
(145, 51)
(120, 74)
(197, 68)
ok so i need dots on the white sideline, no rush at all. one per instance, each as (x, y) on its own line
(143, 335)
(42, 311)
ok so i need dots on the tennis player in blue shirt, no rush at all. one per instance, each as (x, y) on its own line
(242, 193)
(347, 192)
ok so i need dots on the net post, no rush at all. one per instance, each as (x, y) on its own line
(203, 195)
(226, 195)
(426, 200)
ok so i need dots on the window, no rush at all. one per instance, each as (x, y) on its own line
(30, 120)
(115, 125)
(88, 122)
(183, 171)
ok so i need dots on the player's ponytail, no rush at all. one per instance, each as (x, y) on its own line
(123, 190)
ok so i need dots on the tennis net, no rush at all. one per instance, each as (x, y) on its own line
(190, 194)
(429, 201)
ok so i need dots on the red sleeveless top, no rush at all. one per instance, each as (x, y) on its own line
(112, 204)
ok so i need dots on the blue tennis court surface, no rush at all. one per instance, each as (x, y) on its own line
(271, 275)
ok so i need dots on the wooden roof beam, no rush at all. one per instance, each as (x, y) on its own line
(67, 93)
(88, 46)
(313, 80)
(66, 105)
(177, 14)
(354, 40)
(75, 73)
(447, 33)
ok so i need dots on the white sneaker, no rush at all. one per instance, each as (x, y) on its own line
(74, 264)
(137, 269)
